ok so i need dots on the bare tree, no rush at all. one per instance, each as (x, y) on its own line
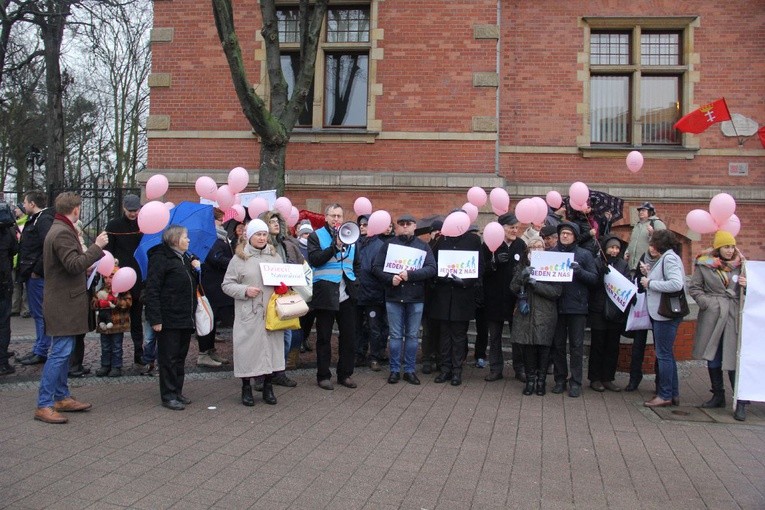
(273, 123)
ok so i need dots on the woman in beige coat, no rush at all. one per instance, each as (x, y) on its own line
(257, 352)
(716, 286)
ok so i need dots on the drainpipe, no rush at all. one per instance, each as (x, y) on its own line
(499, 86)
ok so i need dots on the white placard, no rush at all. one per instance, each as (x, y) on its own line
(619, 288)
(403, 258)
(552, 266)
(290, 274)
(751, 362)
(269, 195)
(460, 263)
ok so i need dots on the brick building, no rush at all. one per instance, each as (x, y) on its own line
(451, 94)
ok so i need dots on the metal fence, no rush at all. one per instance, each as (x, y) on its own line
(99, 205)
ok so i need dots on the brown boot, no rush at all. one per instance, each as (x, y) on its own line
(70, 405)
(48, 415)
(293, 360)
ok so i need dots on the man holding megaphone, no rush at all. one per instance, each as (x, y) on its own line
(332, 256)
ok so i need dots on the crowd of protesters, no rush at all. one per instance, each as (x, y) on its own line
(379, 314)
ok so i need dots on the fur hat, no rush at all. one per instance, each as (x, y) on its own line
(255, 226)
(304, 228)
(723, 238)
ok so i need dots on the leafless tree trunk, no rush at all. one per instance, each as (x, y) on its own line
(273, 124)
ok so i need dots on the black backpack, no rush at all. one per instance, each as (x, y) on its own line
(7, 219)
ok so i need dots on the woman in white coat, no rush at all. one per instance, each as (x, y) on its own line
(665, 276)
(716, 287)
(257, 351)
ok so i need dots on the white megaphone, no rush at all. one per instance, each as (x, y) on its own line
(348, 233)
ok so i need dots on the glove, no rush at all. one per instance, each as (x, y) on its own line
(281, 289)
(526, 274)
(575, 266)
(457, 281)
(503, 257)
(607, 270)
(531, 281)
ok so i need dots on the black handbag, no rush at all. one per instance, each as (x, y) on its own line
(673, 305)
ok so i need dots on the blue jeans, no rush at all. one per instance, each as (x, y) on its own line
(287, 342)
(149, 344)
(111, 349)
(53, 385)
(404, 320)
(664, 333)
(35, 287)
(716, 362)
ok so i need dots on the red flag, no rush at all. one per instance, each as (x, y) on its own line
(761, 134)
(699, 120)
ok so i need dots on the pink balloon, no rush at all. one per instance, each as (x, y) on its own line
(283, 206)
(379, 221)
(106, 264)
(579, 193)
(239, 213)
(497, 211)
(123, 280)
(153, 217)
(554, 199)
(237, 199)
(293, 217)
(493, 235)
(721, 207)
(238, 179)
(577, 206)
(362, 205)
(500, 200)
(456, 224)
(634, 161)
(169, 205)
(224, 197)
(476, 196)
(540, 210)
(156, 186)
(471, 210)
(733, 225)
(525, 210)
(206, 187)
(700, 221)
(257, 206)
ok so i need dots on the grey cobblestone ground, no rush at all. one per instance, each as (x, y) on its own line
(480, 445)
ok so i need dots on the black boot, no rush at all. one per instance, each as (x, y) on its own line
(541, 384)
(531, 381)
(740, 413)
(268, 391)
(247, 398)
(634, 382)
(718, 389)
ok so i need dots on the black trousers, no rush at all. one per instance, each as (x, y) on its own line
(481, 334)
(569, 330)
(535, 359)
(453, 346)
(638, 353)
(136, 322)
(346, 325)
(78, 352)
(431, 340)
(172, 348)
(496, 358)
(604, 354)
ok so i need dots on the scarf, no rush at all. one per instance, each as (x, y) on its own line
(720, 266)
(66, 220)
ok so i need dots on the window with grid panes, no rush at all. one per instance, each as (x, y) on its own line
(344, 51)
(636, 78)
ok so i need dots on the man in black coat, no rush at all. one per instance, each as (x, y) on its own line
(8, 249)
(453, 305)
(499, 301)
(572, 311)
(30, 269)
(124, 237)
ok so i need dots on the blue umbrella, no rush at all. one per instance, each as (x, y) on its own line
(198, 220)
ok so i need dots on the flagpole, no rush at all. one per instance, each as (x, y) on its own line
(735, 131)
(741, 299)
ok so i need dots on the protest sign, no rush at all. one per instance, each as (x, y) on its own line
(552, 266)
(290, 274)
(460, 263)
(751, 363)
(403, 258)
(618, 288)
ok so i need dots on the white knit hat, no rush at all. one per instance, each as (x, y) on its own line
(255, 226)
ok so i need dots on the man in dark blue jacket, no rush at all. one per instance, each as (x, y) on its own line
(370, 319)
(405, 295)
(572, 310)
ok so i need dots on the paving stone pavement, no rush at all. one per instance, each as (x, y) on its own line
(480, 445)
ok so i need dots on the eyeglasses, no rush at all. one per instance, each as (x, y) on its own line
(405, 223)
(566, 233)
